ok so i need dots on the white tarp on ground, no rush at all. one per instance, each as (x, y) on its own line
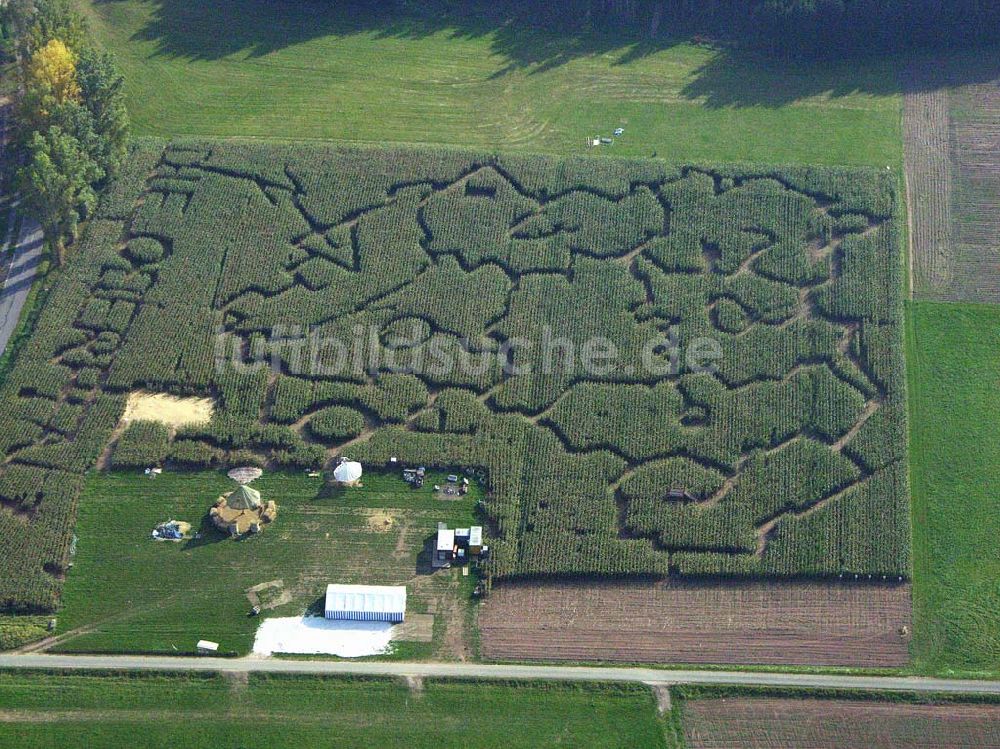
(314, 635)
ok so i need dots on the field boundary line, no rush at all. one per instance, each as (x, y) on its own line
(495, 671)
(909, 234)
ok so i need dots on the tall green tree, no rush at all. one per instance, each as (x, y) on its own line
(102, 88)
(16, 17)
(45, 20)
(73, 118)
(49, 81)
(57, 185)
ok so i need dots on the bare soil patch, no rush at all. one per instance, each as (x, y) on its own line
(836, 724)
(172, 410)
(416, 628)
(238, 681)
(662, 693)
(269, 595)
(380, 521)
(685, 621)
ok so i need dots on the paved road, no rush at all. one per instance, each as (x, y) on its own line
(24, 259)
(499, 671)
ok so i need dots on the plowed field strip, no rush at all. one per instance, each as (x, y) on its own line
(952, 152)
(928, 171)
(668, 621)
(820, 724)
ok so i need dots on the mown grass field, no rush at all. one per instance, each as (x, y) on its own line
(955, 468)
(357, 71)
(128, 593)
(211, 711)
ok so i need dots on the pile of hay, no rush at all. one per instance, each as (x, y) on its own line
(242, 511)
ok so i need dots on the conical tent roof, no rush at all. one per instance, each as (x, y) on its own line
(244, 498)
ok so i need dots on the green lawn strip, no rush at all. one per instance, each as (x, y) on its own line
(954, 385)
(723, 691)
(213, 711)
(748, 668)
(128, 593)
(360, 73)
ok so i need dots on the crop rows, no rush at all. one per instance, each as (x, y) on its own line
(436, 307)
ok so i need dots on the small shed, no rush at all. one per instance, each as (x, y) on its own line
(445, 544)
(367, 603)
(476, 540)
(207, 647)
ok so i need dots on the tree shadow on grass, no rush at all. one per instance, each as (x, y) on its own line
(317, 607)
(743, 78)
(330, 491)
(256, 28)
(732, 77)
(424, 564)
(206, 534)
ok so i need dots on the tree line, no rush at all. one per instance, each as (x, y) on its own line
(71, 124)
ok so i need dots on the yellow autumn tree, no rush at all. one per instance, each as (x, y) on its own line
(49, 81)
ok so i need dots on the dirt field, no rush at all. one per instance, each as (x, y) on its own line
(676, 621)
(952, 150)
(928, 186)
(975, 160)
(168, 409)
(817, 724)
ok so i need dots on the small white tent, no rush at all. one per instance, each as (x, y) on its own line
(347, 472)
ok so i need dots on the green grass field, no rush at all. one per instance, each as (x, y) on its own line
(211, 711)
(954, 376)
(357, 72)
(127, 592)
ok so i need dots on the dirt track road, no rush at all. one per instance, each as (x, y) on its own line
(499, 671)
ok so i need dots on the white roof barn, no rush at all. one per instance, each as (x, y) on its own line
(446, 539)
(369, 603)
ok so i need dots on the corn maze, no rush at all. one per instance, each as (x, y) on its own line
(402, 303)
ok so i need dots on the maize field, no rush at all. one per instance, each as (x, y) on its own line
(530, 318)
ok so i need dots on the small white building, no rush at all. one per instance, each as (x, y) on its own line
(367, 603)
(444, 551)
(476, 540)
(207, 647)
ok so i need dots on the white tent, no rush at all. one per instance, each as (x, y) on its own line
(347, 471)
(370, 603)
(245, 475)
